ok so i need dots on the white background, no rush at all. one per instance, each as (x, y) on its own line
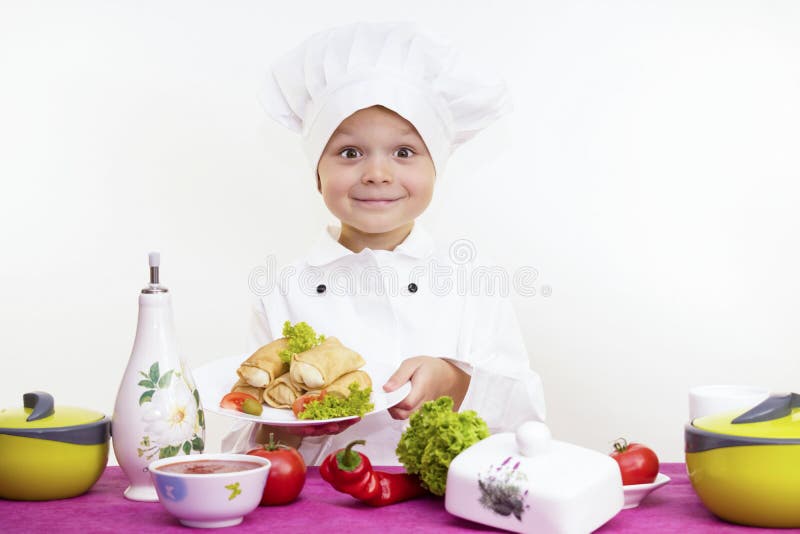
(648, 172)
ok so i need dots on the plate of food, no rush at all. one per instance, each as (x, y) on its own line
(300, 379)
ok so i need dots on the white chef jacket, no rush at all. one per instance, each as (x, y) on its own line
(391, 305)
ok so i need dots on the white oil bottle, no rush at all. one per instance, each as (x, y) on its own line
(157, 413)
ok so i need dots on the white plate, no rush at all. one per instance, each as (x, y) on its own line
(215, 379)
(635, 493)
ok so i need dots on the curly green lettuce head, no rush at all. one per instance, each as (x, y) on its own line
(435, 435)
(301, 338)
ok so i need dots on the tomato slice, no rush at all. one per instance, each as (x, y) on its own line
(235, 399)
(300, 404)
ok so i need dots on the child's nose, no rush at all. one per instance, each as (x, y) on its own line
(377, 171)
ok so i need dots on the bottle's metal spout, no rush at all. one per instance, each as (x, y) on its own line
(154, 260)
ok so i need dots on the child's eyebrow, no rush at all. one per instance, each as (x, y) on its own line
(403, 132)
(342, 132)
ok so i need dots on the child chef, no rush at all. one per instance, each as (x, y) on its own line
(380, 107)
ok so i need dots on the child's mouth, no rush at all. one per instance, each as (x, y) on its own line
(377, 203)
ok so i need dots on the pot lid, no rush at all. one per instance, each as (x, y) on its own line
(39, 412)
(778, 417)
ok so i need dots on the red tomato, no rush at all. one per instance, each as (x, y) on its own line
(300, 404)
(234, 400)
(638, 464)
(287, 475)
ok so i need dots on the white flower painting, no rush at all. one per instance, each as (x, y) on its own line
(174, 419)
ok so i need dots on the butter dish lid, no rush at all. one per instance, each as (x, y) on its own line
(526, 481)
(777, 417)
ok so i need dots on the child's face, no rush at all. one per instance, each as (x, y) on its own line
(375, 173)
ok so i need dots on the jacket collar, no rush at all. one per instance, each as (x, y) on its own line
(418, 244)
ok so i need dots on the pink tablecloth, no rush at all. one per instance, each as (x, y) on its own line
(672, 508)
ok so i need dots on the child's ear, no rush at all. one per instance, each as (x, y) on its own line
(319, 184)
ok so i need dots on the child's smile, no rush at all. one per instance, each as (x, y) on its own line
(376, 202)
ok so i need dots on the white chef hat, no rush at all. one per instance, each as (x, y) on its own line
(418, 75)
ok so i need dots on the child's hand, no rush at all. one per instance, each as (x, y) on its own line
(430, 379)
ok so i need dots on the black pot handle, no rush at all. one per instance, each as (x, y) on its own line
(41, 404)
(775, 407)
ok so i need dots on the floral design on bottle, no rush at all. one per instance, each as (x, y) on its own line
(501, 489)
(174, 420)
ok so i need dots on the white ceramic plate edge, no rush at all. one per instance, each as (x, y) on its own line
(635, 493)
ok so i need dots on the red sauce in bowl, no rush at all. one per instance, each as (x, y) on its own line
(208, 467)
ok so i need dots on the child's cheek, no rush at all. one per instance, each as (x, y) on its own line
(421, 186)
(335, 195)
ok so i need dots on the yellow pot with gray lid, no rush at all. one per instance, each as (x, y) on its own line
(50, 452)
(745, 467)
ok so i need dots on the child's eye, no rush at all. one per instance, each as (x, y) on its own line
(404, 152)
(349, 153)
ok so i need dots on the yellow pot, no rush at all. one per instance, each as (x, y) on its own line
(745, 467)
(48, 453)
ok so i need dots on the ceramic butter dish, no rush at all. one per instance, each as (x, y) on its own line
(528, 482)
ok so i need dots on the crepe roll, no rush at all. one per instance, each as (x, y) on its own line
(282, 392)
(341, 386)
(321, 365)
(264, 365)
(243, 387)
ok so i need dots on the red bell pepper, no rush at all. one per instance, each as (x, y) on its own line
(351, 472)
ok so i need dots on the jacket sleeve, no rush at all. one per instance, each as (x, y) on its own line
(503, 390)
(240, 437)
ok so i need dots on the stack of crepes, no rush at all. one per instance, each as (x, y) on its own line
(328, 366)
